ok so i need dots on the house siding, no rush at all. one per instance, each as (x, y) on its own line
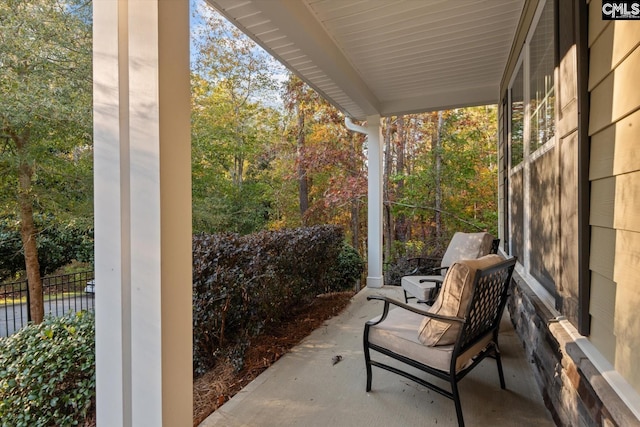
(574, 390)
(601, 309)
(614, 128)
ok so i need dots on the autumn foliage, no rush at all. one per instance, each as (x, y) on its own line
(274, 159)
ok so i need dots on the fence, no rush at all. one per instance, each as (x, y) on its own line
(62, 294)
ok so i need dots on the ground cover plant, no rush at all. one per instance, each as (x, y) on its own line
(47, 373)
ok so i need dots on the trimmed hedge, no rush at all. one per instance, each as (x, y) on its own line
(242, 283)
(47, 372)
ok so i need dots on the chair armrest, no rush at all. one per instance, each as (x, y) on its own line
(390, 301)
(438, 282)
(442, 270)
(425, 258)
(421, 265)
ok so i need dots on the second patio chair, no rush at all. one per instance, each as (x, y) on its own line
(424, 284)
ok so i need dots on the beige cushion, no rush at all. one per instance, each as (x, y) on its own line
(398, 334)
(414, 287)
(467, 246)
(453, 300)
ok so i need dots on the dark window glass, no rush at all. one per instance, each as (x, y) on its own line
(517, 119)
(541, 91)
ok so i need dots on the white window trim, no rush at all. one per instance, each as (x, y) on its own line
(541, 292)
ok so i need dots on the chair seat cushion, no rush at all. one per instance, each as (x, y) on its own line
(422, 291)
(453, 300)
(398, 334)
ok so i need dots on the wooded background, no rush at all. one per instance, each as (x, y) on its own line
(267, 151)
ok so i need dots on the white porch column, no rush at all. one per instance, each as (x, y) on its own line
(142, 187)
(374, 209)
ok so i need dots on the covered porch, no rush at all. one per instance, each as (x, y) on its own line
(378, 59)
(305, 388)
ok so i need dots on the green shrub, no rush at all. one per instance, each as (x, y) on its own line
(47, 372)
(58, 244)
(243, 283)
(346, 271)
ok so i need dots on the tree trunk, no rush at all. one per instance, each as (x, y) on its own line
(355, 201)
(238, 170)
(28, 232)
(303, 185)
(355, 224)
(355, 229)
(401, 220)
(238, 158)
(438, 179)
(388, 221)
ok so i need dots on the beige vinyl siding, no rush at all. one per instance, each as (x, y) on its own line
(614, 128)
(596, 23)
(603, 246)
(626, 318)
(602, 306)
(602, 154)
(627, 203)
(612, 99)
(627, 137)
(623, 37)
(603, 194)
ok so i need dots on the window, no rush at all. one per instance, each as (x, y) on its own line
(516, 94)
(541, 87)
(533, 173)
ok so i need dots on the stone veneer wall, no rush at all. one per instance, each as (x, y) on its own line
(573, 390)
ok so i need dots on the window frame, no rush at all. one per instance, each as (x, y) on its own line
(529, 158)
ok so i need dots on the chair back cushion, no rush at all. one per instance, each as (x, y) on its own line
(467, 246)
(453, 300)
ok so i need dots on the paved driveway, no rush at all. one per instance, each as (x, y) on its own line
(14, 317)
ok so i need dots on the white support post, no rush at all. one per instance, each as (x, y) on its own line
(142, 187)
(374, 219)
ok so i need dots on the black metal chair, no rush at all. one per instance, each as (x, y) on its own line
(396, 332)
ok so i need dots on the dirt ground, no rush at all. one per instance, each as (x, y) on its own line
(221, 383)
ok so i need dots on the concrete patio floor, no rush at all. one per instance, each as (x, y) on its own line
(305, 388)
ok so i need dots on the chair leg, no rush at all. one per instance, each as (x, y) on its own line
(436, 290)
(433, 294)
(367, 362)
(456, 400)
(406, 298)
(499, 363)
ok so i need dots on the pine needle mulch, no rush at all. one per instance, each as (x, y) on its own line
(217, 386)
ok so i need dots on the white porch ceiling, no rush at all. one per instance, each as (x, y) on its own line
(386, 57)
